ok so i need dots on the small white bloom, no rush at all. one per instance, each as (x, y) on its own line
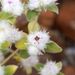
(30, 62)
(9, 33)
(2, 37)
(45, 3)
(33, 4)
(1, 57)
(32, 50)
(12, 6)
(38, 39)
(14, 35)
(1, 71)
(50, 68)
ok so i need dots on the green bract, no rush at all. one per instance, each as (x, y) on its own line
(21, 44)
(52, 47)
(53, 8)
(5, 45)
(11, 20)
(9, 70)
(59, 64)
(4, 15)
(32, 26)
(39, 66)
(24, 54)
(60, 73)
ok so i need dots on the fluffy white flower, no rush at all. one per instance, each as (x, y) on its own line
(33, 4)
(12, 6)
(32, 50)
(50, 68)
(1, 57)
(45, 3)
(30, 62)
(1, 71)
(9, 33)
(14, 35)
(38, 39)
(2, 37)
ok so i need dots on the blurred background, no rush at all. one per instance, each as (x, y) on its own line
(62, 31)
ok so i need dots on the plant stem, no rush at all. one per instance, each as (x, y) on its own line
(10, 56)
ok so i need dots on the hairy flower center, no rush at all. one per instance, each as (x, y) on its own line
(37, 38)
(9, 2)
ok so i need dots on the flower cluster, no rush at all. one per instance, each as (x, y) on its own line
(12, 6)
(34, 4)
(50, 68)
(37, 42)
(9, 33)
(30, 62)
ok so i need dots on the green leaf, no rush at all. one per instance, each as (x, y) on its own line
(5, 52)
(4, 15)
(24, 54)
(59, 64)
(60, 73)
(5, 45)
(12, 20)
(21, 44)
(9, 70)
(32, 26)
(38, 66)
(38, 9)
(53, 8)
(53, 48)
(17, 58)
(31, 15)
(25, 6)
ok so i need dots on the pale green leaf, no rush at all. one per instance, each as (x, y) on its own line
(21, 44)
(4, 15)
(9, 70)
(52, 47)
(24, 54)
(60, 73)
(53, 8)
(25, 6)
(59, 64)
(12, 20)
(32, 26)
(31, 15)
(38, 9)
(17, 58)
(5, 45)
(39, 66)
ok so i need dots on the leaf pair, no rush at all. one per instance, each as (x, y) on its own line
(7, 16)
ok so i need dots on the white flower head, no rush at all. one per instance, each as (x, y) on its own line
(30, 62)
(33, 4)
(2, 37)
(12, 6)
(1, 57)
(32, 50)
(1, 71)
(14, 35)
(9, 33)
(38, 39)
(50, 68)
